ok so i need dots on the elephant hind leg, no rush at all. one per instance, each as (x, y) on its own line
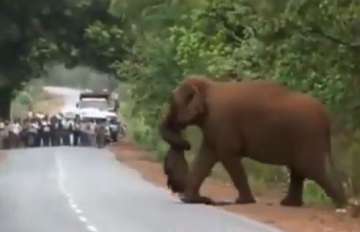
(294, 196)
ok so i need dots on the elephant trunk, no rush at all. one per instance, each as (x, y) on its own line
(170, 131)
(175, 165)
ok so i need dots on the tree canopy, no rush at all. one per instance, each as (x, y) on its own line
(308, 45)
(32, 35)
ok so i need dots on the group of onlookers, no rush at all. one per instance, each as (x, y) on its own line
(37, 130)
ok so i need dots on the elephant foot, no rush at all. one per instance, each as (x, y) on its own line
(197, 200)
(245, 200)
(292, 202)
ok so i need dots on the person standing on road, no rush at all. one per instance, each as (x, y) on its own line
(3, 135)
(77, 131)
(46, 130)
(54, 130)
(25, 131)
(92, 133)
(84, 138)
(7, 133)
(71, 129)
(17, 131)
(40, 134)
(65, 131)
(37, 125)
(11, 136)
(14, 134)
(100, 133)
(32, 135)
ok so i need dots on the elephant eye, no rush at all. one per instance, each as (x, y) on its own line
(189, 97)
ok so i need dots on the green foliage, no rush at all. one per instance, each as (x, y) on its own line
(25, 99)
(68, 31)
(313, 194)
(311, 46)
(348, 144)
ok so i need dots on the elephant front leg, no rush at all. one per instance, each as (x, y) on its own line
(238, 175)
(201, 169)
(294, 196)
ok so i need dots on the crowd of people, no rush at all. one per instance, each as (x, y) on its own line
(39, 129)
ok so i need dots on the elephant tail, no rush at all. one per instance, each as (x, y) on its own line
(330, 156)
(335, 174)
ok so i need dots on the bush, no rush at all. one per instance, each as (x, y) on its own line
(313, 194)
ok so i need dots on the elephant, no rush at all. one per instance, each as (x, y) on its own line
(257, 119)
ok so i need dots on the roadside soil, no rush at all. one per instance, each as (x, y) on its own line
(2, 157)
(266, 210)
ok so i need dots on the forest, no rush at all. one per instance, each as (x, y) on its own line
(308, 45)
(311, 46)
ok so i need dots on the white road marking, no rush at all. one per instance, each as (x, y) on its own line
(91, 228)
(74, 206)
(78, 211)
(82, 218)
(71, 202)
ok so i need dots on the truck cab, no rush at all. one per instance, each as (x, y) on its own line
(99, 101)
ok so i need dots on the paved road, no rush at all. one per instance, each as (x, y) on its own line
(85, 189)
(67, 189)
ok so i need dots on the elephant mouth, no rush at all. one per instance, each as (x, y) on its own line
(171, 134)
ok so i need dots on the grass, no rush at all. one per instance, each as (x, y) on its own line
(314, 195)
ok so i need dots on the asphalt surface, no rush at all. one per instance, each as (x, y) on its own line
(86, 189)
(67, 189)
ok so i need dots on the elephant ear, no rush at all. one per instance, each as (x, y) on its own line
(192, 96)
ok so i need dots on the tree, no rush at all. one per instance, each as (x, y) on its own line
(32, 35)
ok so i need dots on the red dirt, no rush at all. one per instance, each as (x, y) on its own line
(2, 157)
(266, 210)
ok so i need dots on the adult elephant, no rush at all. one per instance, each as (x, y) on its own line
(261, 120)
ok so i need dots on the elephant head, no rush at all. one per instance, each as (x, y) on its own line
(187, 107)
(188, 103)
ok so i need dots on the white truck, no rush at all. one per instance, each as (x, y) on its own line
(101, 107)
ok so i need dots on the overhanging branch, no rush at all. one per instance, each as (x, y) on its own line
(334, 39)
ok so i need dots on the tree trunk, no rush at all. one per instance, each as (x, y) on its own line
(5, 103)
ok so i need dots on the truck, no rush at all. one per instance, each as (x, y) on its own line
(101, 100)
(101, 107)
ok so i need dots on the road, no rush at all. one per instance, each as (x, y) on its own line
(69, 189)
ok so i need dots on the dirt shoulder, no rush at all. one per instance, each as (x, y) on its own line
(2, 157)
(266, 210)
